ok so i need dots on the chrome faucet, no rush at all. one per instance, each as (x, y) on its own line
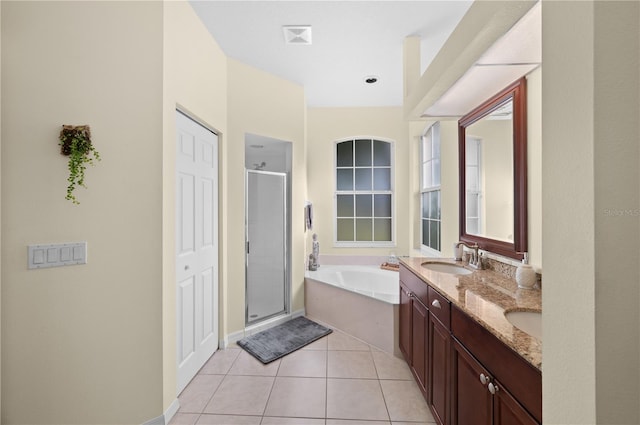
(475, 261)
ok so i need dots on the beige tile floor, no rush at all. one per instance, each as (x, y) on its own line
(337, 380)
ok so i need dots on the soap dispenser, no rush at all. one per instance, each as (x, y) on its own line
(525, 275)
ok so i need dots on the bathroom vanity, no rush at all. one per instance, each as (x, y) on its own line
(471, 363)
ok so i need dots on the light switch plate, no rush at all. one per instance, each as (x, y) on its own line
(57, 255)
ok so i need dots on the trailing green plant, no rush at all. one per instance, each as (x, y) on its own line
(75, 142)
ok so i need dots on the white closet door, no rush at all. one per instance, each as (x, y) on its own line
(196, 246)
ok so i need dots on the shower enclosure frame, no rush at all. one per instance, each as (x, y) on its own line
(285, 253)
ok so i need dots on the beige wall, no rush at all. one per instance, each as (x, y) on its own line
(617, 235)
(82, 344)
(195, 80)
(264, 105)
(0, 210)
(590, 207)
(327, 125)
(121, 318)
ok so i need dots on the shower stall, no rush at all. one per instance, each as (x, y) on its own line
(267, 231)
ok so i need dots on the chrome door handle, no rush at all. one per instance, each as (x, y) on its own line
(484, 379)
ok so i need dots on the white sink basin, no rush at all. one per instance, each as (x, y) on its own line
(446, 268)
(527, 321)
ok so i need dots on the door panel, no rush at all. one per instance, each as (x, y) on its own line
(471, 400)
(186, 299)
(439, 340)
(266, 245)
(196, 247)
(406, 332)
(507, 411)
(420, 340)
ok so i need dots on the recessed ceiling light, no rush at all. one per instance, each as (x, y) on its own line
(370, 79)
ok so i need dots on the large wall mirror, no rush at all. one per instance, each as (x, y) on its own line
(493, 173)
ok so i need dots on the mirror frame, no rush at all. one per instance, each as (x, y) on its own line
(518, 92)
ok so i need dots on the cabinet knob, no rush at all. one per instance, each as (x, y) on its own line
(493, 388)
(484, 379)
(436, 304)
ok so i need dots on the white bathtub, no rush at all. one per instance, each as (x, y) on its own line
(371, 281)
(359, 300)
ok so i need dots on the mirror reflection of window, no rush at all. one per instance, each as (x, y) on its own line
(473, 151)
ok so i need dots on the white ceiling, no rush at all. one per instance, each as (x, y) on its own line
(350, 41)
(514, 55)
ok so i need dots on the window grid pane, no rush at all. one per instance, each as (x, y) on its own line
(431, 221)
(345, 229)
(382, 229)
(382, 205)
(363, 153)
(344, 178)
(364, 207)
(344, 154)
(344, 204)
(381, 153)
(363, 178)
(364, 229)
(382, 179)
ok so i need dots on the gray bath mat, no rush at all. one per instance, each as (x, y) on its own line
(283, 339)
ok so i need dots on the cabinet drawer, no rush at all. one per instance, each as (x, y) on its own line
(414, 284)
(440, 307)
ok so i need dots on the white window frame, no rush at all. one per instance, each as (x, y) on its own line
(434, 130)
(336, 192)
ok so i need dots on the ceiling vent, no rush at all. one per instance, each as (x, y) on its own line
(297, 34)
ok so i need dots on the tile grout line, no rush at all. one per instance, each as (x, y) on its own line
(326, 382)
(273, 384)
(219, 385)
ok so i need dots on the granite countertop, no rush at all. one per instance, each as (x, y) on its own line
(485, 295)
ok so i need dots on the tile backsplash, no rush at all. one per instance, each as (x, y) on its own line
(506, 269)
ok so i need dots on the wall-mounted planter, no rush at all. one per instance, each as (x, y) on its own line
(75, 142)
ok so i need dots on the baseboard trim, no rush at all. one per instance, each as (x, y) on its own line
(165, 418)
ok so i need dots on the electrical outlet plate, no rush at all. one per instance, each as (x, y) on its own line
(57, 255)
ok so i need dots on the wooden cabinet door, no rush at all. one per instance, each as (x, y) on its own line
(438, 371)
(507, 411)
(406, 332)
(471, 401)
(419, 320)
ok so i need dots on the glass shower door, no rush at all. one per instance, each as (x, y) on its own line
(266, 245)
